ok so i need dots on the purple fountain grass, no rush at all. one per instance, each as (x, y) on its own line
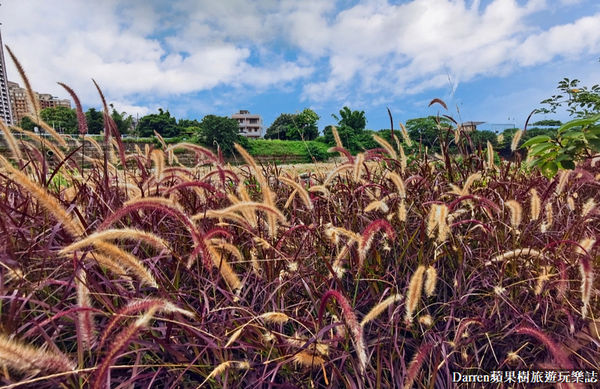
(560, 355)
(415, 365)
(351, 322)
(119, 342)
(135, 307)
(28, 359)
(368, 235)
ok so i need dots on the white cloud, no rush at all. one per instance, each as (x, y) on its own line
(164, 49)
(567, 40)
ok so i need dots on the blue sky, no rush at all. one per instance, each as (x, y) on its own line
(490, 60)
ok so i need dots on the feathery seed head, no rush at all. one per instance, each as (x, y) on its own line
(275, 317)
(535, 204)
(523, 252)
(304, 358)
(549, 218)
(430, 281)
(562, 181)
(515, 141)
(405, 135)
(414, 293)
(28, 359)
(570, 203)
(426, 320)
(588, 207)
(379, 308)
(516, 213)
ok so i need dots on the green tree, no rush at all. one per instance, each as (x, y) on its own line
(307, 123)
(27, 124)
(219, 130)
(547, 123)
(184, 123)
(123, 121)
(294, 126)
(305, 126)
(581, 101)
(162, 122)
(280, 127)
(61, 118)
(574, 141)
(481, 137)
(353, 119)
(95, 121)
(427, 130)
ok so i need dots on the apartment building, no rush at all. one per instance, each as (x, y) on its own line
(5, 108)
(251, 125)
(49, 101)
(20, 105)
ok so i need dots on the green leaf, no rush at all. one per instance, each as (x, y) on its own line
(536, 139)
(595, 143)
(567, 164)
(549, 169)
(573, 134)
(579, 123)
(539, 149)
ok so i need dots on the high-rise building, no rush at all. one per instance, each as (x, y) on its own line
(250, 124)
(5, 109)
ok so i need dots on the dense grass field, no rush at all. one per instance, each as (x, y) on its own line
(380, 271)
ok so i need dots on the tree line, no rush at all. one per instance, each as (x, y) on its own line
(219, 131)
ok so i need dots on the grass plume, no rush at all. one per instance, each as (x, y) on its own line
(28, 359)
(351, 322)
(379, 308)
(414, 293)
(51, 204)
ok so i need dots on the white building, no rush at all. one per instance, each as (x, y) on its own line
(251, 125)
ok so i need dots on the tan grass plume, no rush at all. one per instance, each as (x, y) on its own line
(33, 101)
(562, 181)
(11, 141)
(403, 159)
(405, 136)
(515, 140)
(414, 292)
(379, 308)
(438, 220)
(524, 252)
(516, 213)
(85, 319)
(430, 281)
(232, 279)
(549, 218)
(388, 147)
(336, 136)
(490, 156)
(541, 279)
(121, 233)
(48, 202)
(358, 165)
(535, 205)
(268, 196)
(588, 207)
(28, 359)
(299, 189)
(336, 171)
(121, 257)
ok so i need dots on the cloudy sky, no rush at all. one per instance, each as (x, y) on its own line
(490, 60)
